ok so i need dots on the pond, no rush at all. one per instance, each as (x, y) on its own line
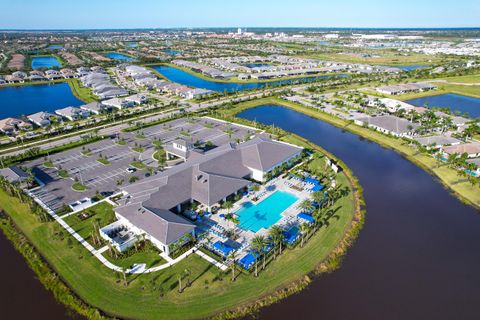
(190, 80)
(417, 256)
(28, 99)
(458, 104)
(39, 62)
(118, 56)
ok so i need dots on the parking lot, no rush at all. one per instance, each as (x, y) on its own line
(82, 164)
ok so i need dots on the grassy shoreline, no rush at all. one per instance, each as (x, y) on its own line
(446, 176)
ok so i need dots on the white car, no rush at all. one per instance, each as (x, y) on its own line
(131, 170)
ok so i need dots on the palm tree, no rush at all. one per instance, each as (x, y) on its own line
(306, 205)
(179, 278)
(276, 234)
(228, 205)
(304, 227)
(233, 256)
(257, 245)
(318, 197)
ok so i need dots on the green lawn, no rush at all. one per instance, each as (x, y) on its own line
(473, 78)
(138, 149)
(138, 164)
(149, 256)
(77, 186)
(102, 214)
(103, 161)
(82, 93)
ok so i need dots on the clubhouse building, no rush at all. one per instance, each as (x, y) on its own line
(153, 206)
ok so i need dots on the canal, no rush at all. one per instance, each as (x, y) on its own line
(417, 256)
(190, 80)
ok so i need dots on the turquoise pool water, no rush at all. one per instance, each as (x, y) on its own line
(254, 217)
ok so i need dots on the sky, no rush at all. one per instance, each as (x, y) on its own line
(105, 14)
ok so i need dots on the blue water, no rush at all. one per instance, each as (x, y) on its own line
(132, 45)
(25, 100)
(55, 47)
(257, 65)
(458, 104)
(118, 56)
(417, 238)
(412, 67)
(187, 79)
(171, 52)
(45, 62)
(254, 217)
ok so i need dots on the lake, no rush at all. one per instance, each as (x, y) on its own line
(118, 56)
(455, 102)
(417, 256)
(190, 80)
(39, 62)
(25, 100)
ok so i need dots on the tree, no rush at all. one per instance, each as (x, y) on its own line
(233, 256)
(257, 245)
(228, 205)
(304, 227)
(276, 236)
(306, 205)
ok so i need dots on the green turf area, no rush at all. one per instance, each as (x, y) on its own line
(138, 164)
(77, 186)
(63, 174)
(82, 93)
(377, 57)
(101, 214)
(474, 78)
(48, 164)
(121, 142)
(103, 161)
(148, 255)
(138, 149)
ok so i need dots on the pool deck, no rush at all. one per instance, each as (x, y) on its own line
(288, 217)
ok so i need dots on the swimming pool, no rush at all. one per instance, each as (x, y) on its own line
(254, 217)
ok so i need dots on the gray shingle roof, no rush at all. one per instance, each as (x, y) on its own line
(207, 178)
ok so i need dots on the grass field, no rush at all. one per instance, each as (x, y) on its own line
(156, 296)
(474, 78)
(380, 57)
(82, 93)
(449, 178)
(101, 214)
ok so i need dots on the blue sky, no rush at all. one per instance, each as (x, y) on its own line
(91, 14)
